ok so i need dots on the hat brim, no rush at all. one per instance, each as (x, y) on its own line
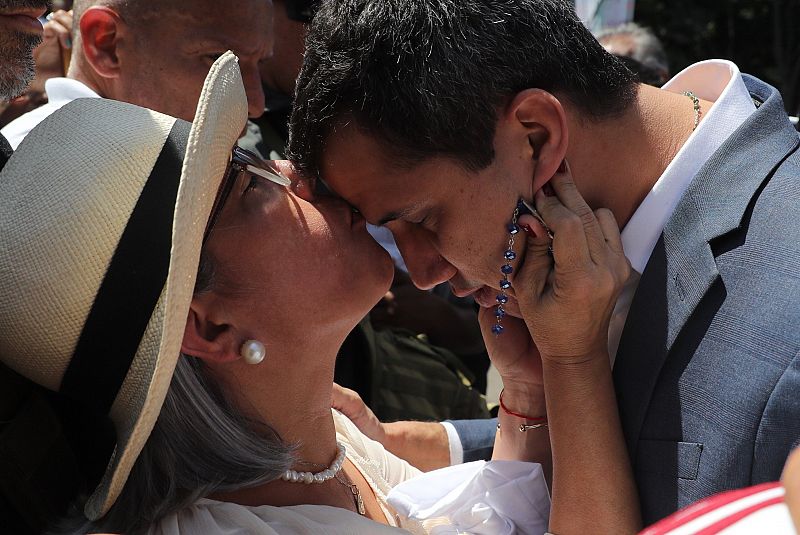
(219, 120)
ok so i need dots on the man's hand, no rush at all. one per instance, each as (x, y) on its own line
(422, 444)
(52, 55)
(349, 403)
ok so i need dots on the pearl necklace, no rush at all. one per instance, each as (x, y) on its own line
(293, 476)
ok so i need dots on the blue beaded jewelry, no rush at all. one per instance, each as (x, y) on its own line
(506, 269)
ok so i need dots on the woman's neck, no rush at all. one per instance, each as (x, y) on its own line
(294, 399)
(291, 392)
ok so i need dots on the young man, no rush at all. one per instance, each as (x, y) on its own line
(434, 117)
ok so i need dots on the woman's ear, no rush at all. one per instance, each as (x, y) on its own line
(541, 118)
(100, 31)
(207, 340)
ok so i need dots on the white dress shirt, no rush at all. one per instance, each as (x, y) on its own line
(718, 81)
(59, 91)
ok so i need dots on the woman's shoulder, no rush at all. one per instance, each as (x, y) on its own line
(211, 516)
(370, 456)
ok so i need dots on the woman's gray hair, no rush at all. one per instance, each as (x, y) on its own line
(201, 444)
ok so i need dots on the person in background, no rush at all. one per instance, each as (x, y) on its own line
(772, 508)
(640, 50)
(20, 33)
(51, 59)
(155, 54)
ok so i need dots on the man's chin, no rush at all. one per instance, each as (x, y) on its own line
(16, 64)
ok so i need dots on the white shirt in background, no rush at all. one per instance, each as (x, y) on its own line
(60, 91)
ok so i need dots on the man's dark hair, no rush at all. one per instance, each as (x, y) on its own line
(426, 77)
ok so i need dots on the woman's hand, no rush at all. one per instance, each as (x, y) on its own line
(567, 298)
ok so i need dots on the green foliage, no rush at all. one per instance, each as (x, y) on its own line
(761, 36)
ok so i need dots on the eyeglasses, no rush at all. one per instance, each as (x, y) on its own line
(242, 161)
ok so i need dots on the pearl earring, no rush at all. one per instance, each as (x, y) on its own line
(253, 352)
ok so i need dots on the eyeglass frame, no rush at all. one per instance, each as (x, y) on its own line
(242, 161)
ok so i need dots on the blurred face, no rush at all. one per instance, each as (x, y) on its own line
(165, 66)
(280, 70)
(20, 32)
(285, 267)
(449, 223)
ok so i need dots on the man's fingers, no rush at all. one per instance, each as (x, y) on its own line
(515, 338)
(62, 23)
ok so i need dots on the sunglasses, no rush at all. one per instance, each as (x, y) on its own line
(242, 161)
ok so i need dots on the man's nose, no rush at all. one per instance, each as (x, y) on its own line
(426, 266)
(254, 90)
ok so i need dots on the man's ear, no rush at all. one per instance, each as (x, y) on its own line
(205, 339)
(100, 31)
(541, 118)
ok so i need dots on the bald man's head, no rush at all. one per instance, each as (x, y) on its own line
(156, 53)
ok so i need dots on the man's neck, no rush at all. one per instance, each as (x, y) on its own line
(615, 162)
(84, 74)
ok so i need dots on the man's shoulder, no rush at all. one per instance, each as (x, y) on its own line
(61, 91)
(19, 128)
(5, 151)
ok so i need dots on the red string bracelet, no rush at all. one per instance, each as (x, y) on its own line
(518, 415)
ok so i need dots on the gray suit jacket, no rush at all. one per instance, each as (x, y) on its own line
(708, 368)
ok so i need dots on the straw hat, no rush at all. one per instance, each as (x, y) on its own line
(102, 214)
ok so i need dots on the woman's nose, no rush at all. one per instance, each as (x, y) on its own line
(426, 266)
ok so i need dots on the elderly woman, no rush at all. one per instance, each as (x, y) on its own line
(218, 379)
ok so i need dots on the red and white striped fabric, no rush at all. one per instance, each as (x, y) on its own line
(753, 510)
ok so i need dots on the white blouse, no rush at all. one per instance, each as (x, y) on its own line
(494, 498)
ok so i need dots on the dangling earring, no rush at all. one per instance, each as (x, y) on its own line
(506, 269)
(253, 352)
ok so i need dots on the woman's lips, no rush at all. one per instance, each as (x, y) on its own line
(357, 220)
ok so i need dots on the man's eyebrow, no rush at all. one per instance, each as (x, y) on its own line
(391, 216)
(203, 43)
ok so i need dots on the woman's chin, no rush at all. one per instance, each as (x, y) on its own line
(376, 272)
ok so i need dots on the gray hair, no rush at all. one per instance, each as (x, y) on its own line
(16, 60)
(647, 48)
(201, 444)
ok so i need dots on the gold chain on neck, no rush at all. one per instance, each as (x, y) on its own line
(697, 110)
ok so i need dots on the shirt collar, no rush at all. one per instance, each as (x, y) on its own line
(64, 90)
(717, 81)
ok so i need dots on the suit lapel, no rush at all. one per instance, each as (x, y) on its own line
(682, 267)
(5, 151)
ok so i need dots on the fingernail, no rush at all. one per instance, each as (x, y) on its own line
(547, 189)
(69, 42)
(526, 228)
(563, 167)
